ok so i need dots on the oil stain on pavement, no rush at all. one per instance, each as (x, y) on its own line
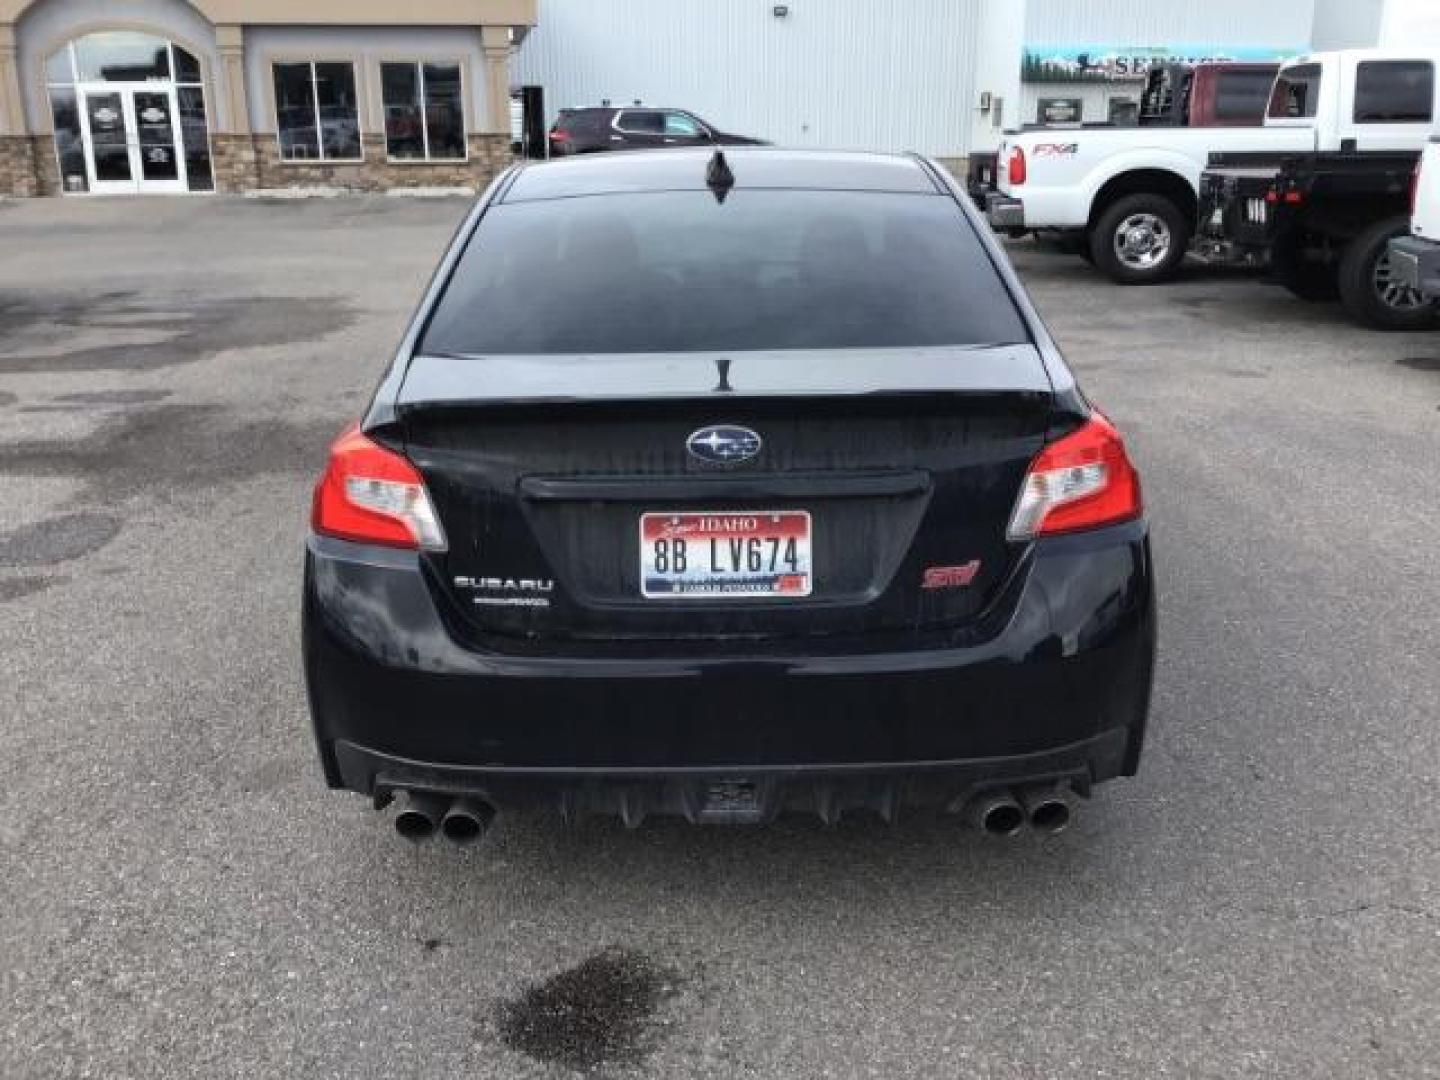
(178, 332)
(597, 1013)
(57, 539)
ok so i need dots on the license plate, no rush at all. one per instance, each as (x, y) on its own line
(724, 554)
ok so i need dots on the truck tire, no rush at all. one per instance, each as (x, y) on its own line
(1140, 239)
(1308, 279)
(1367, 290)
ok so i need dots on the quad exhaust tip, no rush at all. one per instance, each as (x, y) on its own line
(466, 821)
(421, 815)
(1001, 812)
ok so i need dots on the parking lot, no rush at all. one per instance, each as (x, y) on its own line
(181, 895)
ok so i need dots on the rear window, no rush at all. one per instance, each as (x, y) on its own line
(679, 272)
(1394, 91)
(1241, 95)
(589, 122)
(1296, 93)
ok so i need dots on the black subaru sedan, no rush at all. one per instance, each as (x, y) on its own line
(722, 484)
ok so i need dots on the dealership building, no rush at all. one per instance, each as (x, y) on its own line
(101, 97)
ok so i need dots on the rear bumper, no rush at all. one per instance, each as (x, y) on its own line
(1416, 263)
(1061, 692)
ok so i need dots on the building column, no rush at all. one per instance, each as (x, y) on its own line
(12, 109)
(495, 44)
(236, 164)
(230, 43)
(18, 172)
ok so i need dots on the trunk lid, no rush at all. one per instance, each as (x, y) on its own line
(541, 468)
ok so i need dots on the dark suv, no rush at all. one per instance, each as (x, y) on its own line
(588, 131)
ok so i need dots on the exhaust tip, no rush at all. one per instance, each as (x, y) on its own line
(998, 813)
(1003, 819)
(1047, 808)
(418, 817)
(466, 821)
(1050, 815)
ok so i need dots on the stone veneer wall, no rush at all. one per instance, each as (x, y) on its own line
(17, 166)
(245, 163)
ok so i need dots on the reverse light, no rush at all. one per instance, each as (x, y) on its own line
(375, 496)
(1082, 481)
(1015, 168)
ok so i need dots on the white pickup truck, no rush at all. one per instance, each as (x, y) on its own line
(1415, 259)
(1132, 191)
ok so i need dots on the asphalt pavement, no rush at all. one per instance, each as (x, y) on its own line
(180, 895)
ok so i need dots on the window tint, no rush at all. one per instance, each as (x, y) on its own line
(424, 117)
(1296, 93)
(1394, 91)
(295, 112)
(122, 56)
(682, 126)
(316, 111)
(680, 272)
(69, 142)
(645, 123)
(1241, 95)
(339, 110)
(444, 110)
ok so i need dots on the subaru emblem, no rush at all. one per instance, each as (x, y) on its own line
(723, 444)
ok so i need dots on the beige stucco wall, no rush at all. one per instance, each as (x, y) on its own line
(48, 25)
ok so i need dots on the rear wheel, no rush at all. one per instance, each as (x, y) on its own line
(1140, 239)
(1369, 289)
(1306, 278)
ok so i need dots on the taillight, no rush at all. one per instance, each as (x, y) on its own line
(1082, 481)
(1016, 166)
(560, 136)
(375, 496)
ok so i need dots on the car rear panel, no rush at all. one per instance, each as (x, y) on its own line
(894, 483)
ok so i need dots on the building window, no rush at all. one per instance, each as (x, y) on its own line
(424, 111)
(317, 112)
(1394, 91)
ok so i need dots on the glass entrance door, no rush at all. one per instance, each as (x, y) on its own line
(132, 139)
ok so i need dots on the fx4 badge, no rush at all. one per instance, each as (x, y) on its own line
(508, 592)
(950, 577)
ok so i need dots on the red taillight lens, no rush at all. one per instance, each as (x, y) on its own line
(559, 136)
(1015, 169)
(375, 496)
(1082, 481)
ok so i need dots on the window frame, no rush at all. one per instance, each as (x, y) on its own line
(311, 62)
(1360, 67)
(639, 131)
(700, 132)
(1314, 76)
(419, 65)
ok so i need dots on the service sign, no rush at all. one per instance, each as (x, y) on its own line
(1114, 63)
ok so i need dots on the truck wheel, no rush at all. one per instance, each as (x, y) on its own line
(1308, 279)
(1368, 288)
(1140, 239)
